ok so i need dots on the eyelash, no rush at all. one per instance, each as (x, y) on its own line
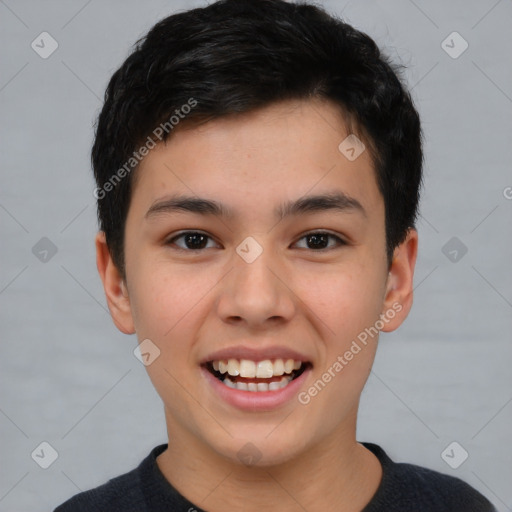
(340, 242)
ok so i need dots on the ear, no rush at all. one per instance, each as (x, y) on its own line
(115, 288)
(399, 285)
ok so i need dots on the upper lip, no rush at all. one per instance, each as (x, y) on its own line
(255, 354)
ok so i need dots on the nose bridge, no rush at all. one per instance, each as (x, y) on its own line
(253, 291)
(256, 273)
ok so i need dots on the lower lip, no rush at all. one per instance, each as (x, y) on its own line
(256, 400)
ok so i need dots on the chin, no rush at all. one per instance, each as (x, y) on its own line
(263, 448)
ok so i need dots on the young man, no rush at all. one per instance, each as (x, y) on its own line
(258, 166)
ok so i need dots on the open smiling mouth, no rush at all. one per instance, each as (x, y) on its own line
(257, 376)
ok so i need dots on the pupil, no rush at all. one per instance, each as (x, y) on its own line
(196, 236)
(316, 239)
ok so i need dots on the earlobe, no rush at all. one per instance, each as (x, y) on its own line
(399, 285)
(116, 291)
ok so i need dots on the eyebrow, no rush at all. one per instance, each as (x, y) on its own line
(335, 201)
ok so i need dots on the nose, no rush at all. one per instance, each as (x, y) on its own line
(257, 293)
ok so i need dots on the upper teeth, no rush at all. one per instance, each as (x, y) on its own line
(260, 369)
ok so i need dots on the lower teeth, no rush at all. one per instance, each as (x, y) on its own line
(258, 386)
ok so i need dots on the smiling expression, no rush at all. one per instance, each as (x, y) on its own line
(253, 239)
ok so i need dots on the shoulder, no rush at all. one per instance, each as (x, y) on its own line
(122, 493)
(441, 492)
(410, 487)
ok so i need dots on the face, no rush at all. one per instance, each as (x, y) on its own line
(263, 291)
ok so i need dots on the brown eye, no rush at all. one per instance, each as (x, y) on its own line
(192, 241)
(319, 241)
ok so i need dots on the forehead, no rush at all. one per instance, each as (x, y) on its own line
(283, 151)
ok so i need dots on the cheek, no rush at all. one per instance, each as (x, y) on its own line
(162, 299)
(348, 305)
(345, 300)
(168, 309)
(164, 311)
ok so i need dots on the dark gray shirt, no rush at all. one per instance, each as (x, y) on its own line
(404, 488)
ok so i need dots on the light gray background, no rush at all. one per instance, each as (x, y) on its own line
(70, 378)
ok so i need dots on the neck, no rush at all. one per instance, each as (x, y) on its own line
(338, 473)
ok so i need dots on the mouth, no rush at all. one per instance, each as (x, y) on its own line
(256, 376)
